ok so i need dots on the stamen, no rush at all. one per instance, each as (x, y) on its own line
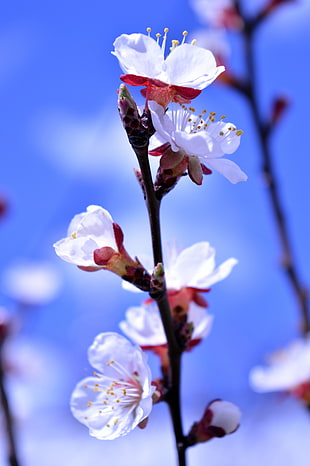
(158, 35)
(73, 235)
(184, 34)
(174, 43)
(163, 45)
(149, 30)
(194, 42)
(239, 132)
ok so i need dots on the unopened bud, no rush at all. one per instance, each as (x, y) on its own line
(220, 418)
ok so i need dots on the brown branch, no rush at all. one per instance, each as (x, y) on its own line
(8, 418)
(264, 132)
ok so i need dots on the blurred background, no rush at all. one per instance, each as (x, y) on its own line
(63, 148)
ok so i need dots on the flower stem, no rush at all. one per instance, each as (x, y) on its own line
(8, 418)
(174, 350)
(264, 133)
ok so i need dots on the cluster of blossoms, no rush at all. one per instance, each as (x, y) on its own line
(120, 394)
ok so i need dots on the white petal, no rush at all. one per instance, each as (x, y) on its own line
(225, 415)
(199, 144)
(139, 54)
(227, 168)
(143, 326)
(201, 320)
(191, 66)
(162, 123)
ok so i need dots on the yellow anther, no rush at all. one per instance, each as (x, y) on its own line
(110, 362)
(191, 109)
(116, 421)
(148, 29)
(104, 402)
(117, 401)
(73, 235)
(166, 30)
(239, 132)
(221, 133)
(158, 34)
(124, 392)
(96, 384)
(184, 33)
(89, 404)
(175, 42)
(204, 111)
(223, 117)
(193, 41)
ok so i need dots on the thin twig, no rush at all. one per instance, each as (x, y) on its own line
(264, 133)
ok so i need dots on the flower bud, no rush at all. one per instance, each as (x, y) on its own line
(220, 418)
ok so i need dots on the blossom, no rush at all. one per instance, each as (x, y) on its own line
(143, 324)
(193, 267)
(288, 369)
(115, 400)
(87, 232)
(31, 283)
(95, 242)
(180, 76)
(180, 133)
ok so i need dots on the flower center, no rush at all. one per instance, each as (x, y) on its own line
(125, 391)
(184, 119)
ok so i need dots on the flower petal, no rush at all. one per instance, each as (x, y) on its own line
(139, 54)
(227, 168)
(191, 66)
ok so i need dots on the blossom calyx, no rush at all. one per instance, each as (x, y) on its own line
(138, 128)
(219, 419)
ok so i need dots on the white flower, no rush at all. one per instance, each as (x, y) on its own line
(193, 267)
(143, 324)
(288, 368)
(31, 283)
(87, 232)
(143, 60)
(208, 140)
(117, 398)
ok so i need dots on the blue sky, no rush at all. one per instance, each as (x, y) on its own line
(62, 148)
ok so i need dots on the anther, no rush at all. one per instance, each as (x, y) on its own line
(193, 41)
(148, 30)
(89, 404)
(239, 132)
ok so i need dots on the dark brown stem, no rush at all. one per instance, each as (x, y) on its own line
(7, 415)
(173, 395)
(264, 133)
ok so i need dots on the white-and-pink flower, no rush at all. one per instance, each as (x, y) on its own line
(203, 140)
(192, 267)
(87, 232)
(143, 324)
(118, 397)
(144, 62)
